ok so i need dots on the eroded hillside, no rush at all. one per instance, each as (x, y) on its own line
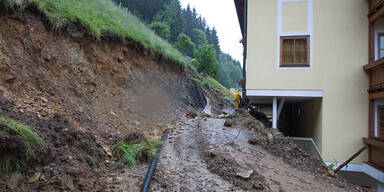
(82, 95)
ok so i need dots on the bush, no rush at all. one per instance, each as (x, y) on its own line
(185, 45)
(161, 29)
(206, 61)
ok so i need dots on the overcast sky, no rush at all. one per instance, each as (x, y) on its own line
(222, 15)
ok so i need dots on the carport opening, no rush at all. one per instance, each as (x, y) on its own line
(301, 119)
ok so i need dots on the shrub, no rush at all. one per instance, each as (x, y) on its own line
(185, 45)
(206, 61)
(161, 29)
(132, 153)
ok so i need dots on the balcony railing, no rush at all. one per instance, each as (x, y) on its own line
(375, 5)
(376, 77)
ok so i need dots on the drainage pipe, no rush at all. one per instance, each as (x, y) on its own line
(151, 168)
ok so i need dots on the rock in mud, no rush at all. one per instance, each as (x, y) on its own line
(35, 177)
(228, 123)
(255, 141)
(259, 187)
(191, 115)
(245, 174)
(270, 138)
(135, 138)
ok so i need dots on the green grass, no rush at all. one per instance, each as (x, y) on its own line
(93, 161)
(103, 17)
(210, 82)
(132, 153)
(10, 164)
(219, 87)
(31, 138)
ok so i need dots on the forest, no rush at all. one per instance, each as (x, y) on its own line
(188, 31)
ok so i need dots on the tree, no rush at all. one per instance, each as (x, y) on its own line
(230, 71)
(161, 29)
(206, 60)
(213, 39)
(199, 37)
(185, 45)
(172, 15)
(144, 9)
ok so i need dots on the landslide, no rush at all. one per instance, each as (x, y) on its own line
(83, 95)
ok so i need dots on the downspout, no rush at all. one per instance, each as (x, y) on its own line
(245, 52)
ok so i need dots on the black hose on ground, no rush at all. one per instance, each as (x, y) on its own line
(151, 168)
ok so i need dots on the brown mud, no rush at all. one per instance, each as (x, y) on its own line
(204, 154)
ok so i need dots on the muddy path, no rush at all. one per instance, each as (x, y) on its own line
(200, 156)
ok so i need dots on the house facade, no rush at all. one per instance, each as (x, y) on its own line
(318, 64)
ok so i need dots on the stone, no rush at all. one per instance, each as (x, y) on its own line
(45, 100)
(34, 178)
(136, 122)
(254, 141)
(270, 138)
(227, 123)
(191, 115)
(259, 187)
(10, 79)
(245, 174)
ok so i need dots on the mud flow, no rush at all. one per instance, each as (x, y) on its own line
(212, 152)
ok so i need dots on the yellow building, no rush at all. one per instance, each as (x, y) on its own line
(305, 58)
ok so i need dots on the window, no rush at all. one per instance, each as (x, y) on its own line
(294, 51)
(380, 44)
(380, 121)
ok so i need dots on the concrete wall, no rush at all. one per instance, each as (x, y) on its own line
(339, 50)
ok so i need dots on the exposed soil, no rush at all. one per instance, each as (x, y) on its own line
(205, 154)
(83, 95)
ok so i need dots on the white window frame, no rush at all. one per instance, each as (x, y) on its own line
(309, 31)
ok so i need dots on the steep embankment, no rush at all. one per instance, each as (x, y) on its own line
(82, 95)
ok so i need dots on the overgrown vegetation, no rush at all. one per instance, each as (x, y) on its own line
(133, 153)
(213, 83)
(103, 18)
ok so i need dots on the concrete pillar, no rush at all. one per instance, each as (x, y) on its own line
(274, 113)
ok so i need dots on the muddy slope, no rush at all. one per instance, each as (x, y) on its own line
(83, 95)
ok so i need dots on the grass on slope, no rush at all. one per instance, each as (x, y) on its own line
(219, 87)
(103, 17)
(132, 153)
(30, 137)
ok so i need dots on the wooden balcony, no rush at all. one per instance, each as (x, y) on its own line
(374, 5)
(376, 10)
(376, 78)
(376, 151)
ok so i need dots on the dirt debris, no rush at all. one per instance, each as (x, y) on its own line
(200, 158)
(83, 96)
